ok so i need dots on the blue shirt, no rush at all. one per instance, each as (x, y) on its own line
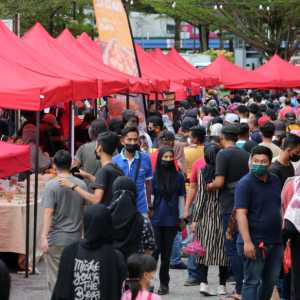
(145, 173)
(263, 201)
(155, 143)
(256, 137)
(295, 102)
(161, 213)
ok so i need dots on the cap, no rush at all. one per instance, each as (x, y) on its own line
(212, 103)
(206, 120)
(262, 120)
(229, 129)
(296, 132)
(51, 119)
(190, 113)
(280, 127)
(290, 117)
(271, 113)
(89, 117)
(232, 118)
(216, 129)
(167, 136)
(187, 123)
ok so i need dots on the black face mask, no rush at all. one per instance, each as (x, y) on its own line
(50, 131)
(97, 157)
(168, 164)
(151, 132)
(294, 158)
(132, 147)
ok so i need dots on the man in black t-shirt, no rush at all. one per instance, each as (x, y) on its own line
(81, 132)
(282, 167)
(231, 166)
(105, 147)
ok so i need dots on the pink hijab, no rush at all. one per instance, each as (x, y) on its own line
(293, 211)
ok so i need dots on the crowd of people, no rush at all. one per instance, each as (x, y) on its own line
(225, 174)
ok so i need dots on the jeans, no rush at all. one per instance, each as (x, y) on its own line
(164, 238)
(193, 267)
(265, 269)
(286, 286)
(176, 250)
(235, 260)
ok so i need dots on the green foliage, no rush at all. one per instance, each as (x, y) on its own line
(32, 11)
(215, 53)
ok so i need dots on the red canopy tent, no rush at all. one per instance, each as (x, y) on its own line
(148, 63)
(15, 159)
(158, 84)
(177, 59)
(285, 74)
(92, 47)
(97, 84)
(235, 77)
(137, 85)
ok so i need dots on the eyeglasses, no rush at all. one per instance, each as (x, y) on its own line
(150, 128)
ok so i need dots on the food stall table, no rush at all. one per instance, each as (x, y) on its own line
(13, 230)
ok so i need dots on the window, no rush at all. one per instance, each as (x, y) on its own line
(170, 28)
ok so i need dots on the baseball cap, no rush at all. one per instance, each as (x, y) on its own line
(205, 120)
(216, 129)
(296, 132)
(271, 113)
(190, 113)
(280, 127)
(49, 118)
(290, 117)
(262, 120)
(187, 123)
(167, 136)
(232, 118)
(229, 130)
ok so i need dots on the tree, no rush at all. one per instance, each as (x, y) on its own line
(262, 29)
(32, 11)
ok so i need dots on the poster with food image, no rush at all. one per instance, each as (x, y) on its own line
(168, 102)
(118, 104)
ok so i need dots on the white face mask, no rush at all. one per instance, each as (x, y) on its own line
(153, 279)
(88, 127)
(90, 131)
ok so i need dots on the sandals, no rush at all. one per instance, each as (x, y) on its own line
(232, 297)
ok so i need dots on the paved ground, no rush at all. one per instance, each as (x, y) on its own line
(35, 287)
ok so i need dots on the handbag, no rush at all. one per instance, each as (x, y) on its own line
(195, 249)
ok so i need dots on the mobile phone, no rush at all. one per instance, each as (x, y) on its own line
(76, 170)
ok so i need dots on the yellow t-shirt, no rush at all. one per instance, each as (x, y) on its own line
(191, 155)
(292, 127)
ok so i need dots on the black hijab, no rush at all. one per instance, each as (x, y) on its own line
(166, 179)
(4, 131)
(97, 216)
(127, 222)
(210, 155)
(4, 282)
(98, 237)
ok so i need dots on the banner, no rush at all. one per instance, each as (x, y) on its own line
(118, 52)
(114, 35)
(9, 24)
(168, 103)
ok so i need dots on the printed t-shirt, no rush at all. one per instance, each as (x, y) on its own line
(283, 172)
(232, 163)
(145, 173)
(68, 211)
(162, 216)
(104, 180)
(153, 157)
(198, 164)
(263, 201)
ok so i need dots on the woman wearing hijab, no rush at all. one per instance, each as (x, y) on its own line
(207, 218)
(292, 231)
(167, 194)
(29, 136)
(4, 130)
(132, 232)
(91, 268)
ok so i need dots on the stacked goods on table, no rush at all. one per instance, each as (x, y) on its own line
(15, 192)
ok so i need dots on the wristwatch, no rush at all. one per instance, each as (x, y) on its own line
(182, 220)
(74, 186)
(150, 207)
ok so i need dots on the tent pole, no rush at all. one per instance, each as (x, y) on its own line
(145, 106)
(9, 123)
(27, 224)
(70, 128)
(73, 134)
(127, 99)
(156, 101)
(36, 181)
(95, 107)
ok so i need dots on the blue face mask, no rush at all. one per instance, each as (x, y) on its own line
(226, 101)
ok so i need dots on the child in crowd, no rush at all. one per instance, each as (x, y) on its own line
(141, 269)
(184, 142)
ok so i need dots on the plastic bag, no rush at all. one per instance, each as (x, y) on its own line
(287, 260)
(195, 249)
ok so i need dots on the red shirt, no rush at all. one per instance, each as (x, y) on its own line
(153, 157)
(198, 164)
